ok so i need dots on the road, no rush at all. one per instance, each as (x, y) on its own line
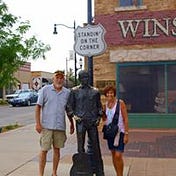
(21, 115)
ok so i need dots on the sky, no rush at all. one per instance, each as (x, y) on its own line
(42, 15)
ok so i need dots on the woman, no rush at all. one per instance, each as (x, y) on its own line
(116, 146)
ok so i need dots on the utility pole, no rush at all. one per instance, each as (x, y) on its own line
(90, 59)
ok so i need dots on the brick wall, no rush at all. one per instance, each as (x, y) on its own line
(102, 67)
(108, 6)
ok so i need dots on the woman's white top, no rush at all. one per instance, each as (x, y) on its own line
(110, 114)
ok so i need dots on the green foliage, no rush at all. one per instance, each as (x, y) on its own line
(15, 47)
(3, 102)
(10, 127)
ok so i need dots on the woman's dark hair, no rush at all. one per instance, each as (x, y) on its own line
(108, 88)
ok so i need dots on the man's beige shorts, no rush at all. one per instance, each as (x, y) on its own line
(48, 138)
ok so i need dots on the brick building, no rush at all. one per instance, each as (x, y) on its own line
(28, 79)
(140, 58)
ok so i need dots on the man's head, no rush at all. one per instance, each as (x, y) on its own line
(58, 79)
(83, 77)
(59, 73)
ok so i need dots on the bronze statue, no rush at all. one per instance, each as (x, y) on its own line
(85, 107)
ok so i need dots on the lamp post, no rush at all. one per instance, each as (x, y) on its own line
(90, 59)
(80, 65)
(70, 27)
(66, 71)
(90, 72)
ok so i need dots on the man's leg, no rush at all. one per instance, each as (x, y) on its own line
(81, 132)
(42, 162)
(56, 158)
(95, 147)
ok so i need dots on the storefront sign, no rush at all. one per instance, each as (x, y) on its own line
(89, 40)
(139, 27)
(158, 27)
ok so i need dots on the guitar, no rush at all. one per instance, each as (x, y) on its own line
(81, 165)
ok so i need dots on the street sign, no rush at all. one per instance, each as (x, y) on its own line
(71, 54)
(89, 40)
(36, 83)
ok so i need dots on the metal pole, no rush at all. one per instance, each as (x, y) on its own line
(90, 59)
(74, 27)
(66, 72)
(90, 72)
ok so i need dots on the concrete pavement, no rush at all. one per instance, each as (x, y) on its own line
(19, 154)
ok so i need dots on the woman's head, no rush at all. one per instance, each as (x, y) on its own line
(110, 90)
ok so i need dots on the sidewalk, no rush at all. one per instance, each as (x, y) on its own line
(19, 154)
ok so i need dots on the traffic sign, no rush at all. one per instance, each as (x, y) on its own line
(89, 40)
(36, 83)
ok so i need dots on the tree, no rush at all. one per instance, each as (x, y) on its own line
(15, 47)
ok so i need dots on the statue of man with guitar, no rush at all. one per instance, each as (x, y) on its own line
(84, 105)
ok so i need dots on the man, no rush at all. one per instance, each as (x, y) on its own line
(85, 107)
(51, 124)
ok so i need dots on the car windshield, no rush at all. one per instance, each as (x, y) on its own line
(24, 94)
(21, 90)
(17, 91)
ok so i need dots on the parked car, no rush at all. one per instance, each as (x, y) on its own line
(24, 99)
(16, 93)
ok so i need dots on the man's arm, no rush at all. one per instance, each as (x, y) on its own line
(100, 108)
(69, 111)
(38, 125)
(69, 105)
(72, 128)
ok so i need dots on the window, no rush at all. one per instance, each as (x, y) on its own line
(148, 88)
(171, 94)
(124, 3)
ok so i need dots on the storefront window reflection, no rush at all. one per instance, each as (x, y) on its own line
(146, 88)
(171, 77)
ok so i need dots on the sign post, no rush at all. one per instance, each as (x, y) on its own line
(90, 59)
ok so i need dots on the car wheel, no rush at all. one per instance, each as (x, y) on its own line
(29, 103)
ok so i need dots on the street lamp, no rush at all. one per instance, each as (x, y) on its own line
(80, 65)
(70, 27)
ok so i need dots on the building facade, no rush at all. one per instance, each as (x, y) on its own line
(28, 79)
(40, 79)
(23, 76)
(140, 59)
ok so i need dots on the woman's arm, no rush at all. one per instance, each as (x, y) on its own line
(125, 120)
(104, 112)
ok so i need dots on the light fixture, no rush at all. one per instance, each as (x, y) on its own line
(55, 29)
(70, 27)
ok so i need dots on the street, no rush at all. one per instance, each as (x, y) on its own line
(22, 115)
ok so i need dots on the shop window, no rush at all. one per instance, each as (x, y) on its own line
(171, 80)
(124, 3)
(149, 88)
